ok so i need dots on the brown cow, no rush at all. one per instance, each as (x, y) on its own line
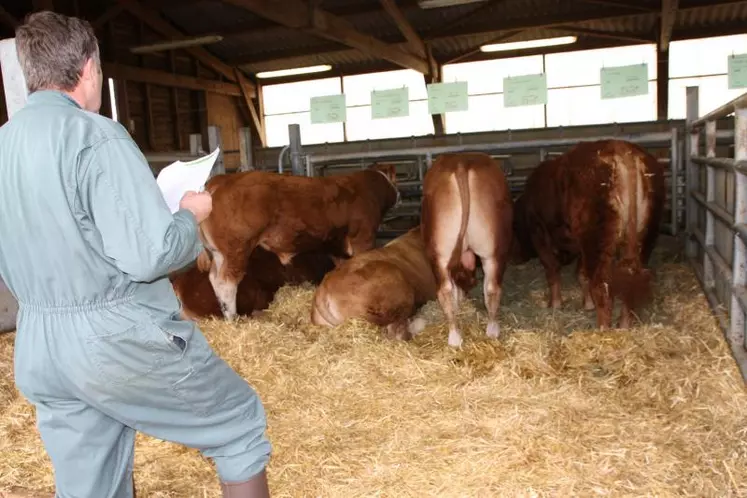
(385, 286)
(255, 292)
(467, 211)
(601, 202)
(288, 215)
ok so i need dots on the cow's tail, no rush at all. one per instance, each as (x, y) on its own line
(630, 280)
(462, 178)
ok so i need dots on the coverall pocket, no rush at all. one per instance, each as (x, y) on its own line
(135, 352)
(208, 384)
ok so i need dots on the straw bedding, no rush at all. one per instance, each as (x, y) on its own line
(553, 408)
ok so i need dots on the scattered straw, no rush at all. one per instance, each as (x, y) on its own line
(553, 408)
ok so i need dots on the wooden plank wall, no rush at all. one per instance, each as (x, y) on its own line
(159, 118)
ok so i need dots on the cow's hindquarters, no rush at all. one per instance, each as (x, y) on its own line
(629, 279)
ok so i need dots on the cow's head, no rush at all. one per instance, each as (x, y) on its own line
(522, 248)
(389, 170)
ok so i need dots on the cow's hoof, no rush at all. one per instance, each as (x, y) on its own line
(493, 330)
(417, 325)
(554, 305)
(455, 339)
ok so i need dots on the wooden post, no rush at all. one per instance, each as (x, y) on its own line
(245, 149)
(214, 140)
(14, 83)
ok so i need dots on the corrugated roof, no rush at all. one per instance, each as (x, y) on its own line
(258, 44)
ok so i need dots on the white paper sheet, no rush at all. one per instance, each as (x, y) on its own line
(179, 177)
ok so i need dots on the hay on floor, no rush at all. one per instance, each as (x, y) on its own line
(553, 408)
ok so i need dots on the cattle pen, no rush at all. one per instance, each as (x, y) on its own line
(553, 407)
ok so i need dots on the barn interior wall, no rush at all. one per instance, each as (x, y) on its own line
(159, 118)
(224, 112)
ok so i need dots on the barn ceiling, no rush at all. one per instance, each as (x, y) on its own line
(357, 36)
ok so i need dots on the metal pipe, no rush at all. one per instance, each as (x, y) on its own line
(723, 163)
(674, 168)
(280, 158)
(722, 112)
(294, 135)
(719, 212)
(429, 152)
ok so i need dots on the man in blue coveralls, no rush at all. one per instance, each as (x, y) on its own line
(86, 242)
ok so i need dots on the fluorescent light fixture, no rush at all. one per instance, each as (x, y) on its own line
(434, 4)
(522, 45)
(171, 45)
(295, 71)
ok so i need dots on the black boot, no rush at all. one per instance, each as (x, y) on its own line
(256, 487)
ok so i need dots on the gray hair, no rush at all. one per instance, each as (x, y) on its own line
(53, 48)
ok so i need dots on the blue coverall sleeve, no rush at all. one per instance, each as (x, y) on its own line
(138, 231)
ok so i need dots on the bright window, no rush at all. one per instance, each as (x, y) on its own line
(582, 68)
(702, 63)
(486, 77)
(360, 126)
(486, 113)
(583, 106)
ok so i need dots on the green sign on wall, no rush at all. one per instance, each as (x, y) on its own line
(737, 71)
(394, 103)
(447, 97)
(328, 109)
(530, 89)
(624, 81)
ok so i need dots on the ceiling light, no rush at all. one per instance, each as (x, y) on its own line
(433, 4)
(293, 72)
(521, 45)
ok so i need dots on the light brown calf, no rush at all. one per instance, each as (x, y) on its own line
(467, 211)
(384, 286)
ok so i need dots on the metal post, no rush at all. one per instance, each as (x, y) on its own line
(692, 149)
(214, 140)
(674, 157)
(195, 144)
(739, 264)
(710, 230)
(294, 135)
(245, 149)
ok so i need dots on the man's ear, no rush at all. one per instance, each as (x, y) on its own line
(89, 70)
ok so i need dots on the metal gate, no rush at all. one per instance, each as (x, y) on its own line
(717, 216)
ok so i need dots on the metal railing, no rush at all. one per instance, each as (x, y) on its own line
(717, 217)
(421, 158)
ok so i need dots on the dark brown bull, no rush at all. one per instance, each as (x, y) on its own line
(600, 202)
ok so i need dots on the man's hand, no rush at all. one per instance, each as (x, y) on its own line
(200, 204)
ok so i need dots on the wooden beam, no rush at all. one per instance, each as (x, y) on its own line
(175, 105)
(258, 124)
(43, 5)
(621, 5)
(107, 16)
(8, 19)
(605, 34)
(152, 18)
(297, 14)
(668, 17)
(163, 78)
(416, 43)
